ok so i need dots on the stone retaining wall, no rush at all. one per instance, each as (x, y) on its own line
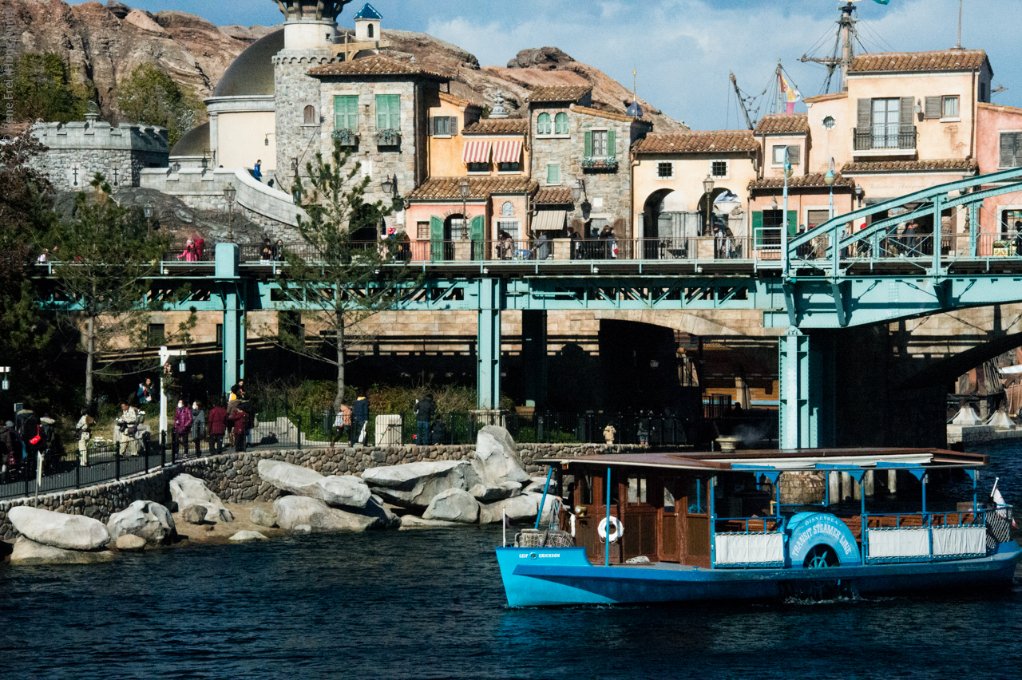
(234, 476)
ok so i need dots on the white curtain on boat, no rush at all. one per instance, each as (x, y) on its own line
(748, 549)
(960, 541)
(899, 543)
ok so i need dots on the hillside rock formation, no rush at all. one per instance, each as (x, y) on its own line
(106, 42)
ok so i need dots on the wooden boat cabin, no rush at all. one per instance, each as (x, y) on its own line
(692, 508)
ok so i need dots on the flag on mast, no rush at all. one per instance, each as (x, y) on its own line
(881, 2)
(790, 93)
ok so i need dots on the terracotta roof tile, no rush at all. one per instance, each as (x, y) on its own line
(783, 123)
(962, 164)
(1003, 108)
(810, 181)
(560, 93)
(941, 60)
(826, 97)
(553, 196)
(498, 126)
(446, 188)
(719, 141)
(457, 101)
(611, 115)
(375, 65)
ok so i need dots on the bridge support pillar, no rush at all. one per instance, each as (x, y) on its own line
(806, 371)
(491, 301)
(234, 335)
(534, 357)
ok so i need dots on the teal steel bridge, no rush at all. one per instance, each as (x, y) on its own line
(833, 277)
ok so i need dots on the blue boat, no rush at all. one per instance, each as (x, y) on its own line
(672, 527)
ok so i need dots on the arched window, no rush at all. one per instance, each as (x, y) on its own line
(561, 124)
(309, 115)
(507, 210)
(369, 31)
(543, 124)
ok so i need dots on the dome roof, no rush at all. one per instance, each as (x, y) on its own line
(195, 142)
(252, 72)
(634, 110)
(368, 12)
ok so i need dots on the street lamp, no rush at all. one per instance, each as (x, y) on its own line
(464, 189)
(708, 189)
(5, 383)
(828, 179)
(229, 193)
(784, 215)
(388, 185)
(148, 209)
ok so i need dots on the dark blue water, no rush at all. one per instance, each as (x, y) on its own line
(425, 604)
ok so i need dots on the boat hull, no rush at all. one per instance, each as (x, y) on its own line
(551, 577)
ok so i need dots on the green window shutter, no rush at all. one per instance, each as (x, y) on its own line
(561, 123)
(588, 152)
(436, 237)
(339, 112)
(388, 112)
(350, 105)
(757, 227)
(543, 124)
(553, 174)
(792, 223)
(476, 228)
(612, 143)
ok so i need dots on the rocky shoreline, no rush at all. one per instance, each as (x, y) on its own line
(283, 498)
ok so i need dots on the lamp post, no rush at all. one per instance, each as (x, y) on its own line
(5, 384)
(708, 190)
(784, 216)
(229, 193)
(148, 210)
(828, 179)
(464, 189)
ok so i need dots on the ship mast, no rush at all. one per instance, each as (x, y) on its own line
(741, 102)
(845, 43)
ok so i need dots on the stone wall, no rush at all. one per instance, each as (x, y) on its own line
(234, 476)
(78, 150)
(293, 90)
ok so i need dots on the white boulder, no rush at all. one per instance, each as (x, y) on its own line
(247, 536)
(27, 551)
(187, 490)
(145, 519)
(414, 485)
(263, 518)
(339, 491)
(488, 494)
(70, 532)
(130, 543)
(537, 484)
(453, 505)
(296, 511)
(413, 522)
(496, 457)
(520, 509)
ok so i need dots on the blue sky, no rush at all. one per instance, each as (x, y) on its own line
(682, 49)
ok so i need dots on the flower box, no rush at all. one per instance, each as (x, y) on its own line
(346, 137)
(388, 138)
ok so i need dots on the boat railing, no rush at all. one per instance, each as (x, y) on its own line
(758, 542)
(931, 536)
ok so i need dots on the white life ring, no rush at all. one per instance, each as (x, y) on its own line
(619, 529)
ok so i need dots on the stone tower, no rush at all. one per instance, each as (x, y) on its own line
(310, 27)
(367, 24)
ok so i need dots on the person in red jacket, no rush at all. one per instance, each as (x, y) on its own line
(217, 424)
(240, 420)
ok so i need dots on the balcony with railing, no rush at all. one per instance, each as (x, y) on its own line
(885, 140)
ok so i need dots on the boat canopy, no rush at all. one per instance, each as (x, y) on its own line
(785, 460)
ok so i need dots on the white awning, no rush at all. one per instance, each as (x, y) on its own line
(549, 220)
(476, 151)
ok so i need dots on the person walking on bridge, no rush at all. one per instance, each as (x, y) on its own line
(217, 427)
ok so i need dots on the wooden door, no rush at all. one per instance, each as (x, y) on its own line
(697, 520)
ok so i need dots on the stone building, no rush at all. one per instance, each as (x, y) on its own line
(574, 144)
(78, 150)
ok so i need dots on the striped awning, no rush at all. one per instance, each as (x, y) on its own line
(549, 220)
(507, 151)
(476, 151)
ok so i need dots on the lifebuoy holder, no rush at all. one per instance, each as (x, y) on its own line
(619, 529)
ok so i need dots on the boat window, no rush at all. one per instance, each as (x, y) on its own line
(586, 489)
(668, 500)
(697, 496)
(636, 489)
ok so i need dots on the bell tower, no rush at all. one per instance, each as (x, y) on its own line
(310, 28)
(310, 24)
(367, 24)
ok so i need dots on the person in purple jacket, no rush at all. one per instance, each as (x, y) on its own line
(182, 426)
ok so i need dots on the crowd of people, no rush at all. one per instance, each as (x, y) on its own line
(28, 442)
(601, 245)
